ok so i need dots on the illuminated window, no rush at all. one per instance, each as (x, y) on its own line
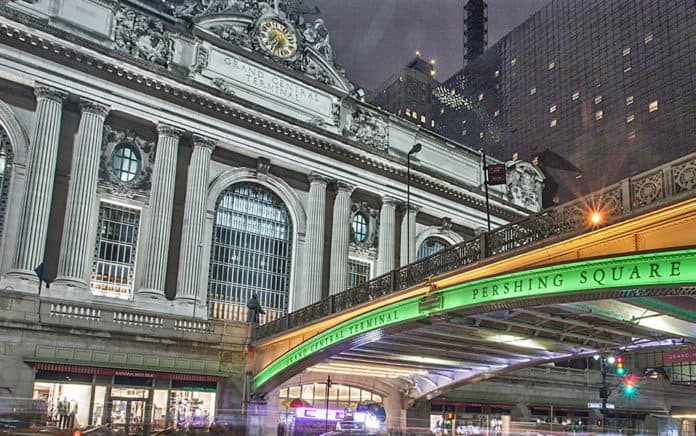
(359, 227)
(358, 272)
(251, 253)
(432, 123)
(576, 95)
(480, 97)
(532, 91)
(513, 62)
(422, 118)
(481, 135)
(627, 69)
(629, 100)
(552, 123)
(497, 73)
(414, 114)
(648, 37)
(552, 109)
(113, 267)
(652, 107)
(496, 113)
(630, 118)
(431, 246)
(442, 110)
(598, 99)
(632, 134)
(408, 112)
(552, 65)
(598, 115)
(126, 162)
(627, 51)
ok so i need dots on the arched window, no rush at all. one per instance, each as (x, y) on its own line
(340, 396)
(251, 254)
(359, 226)
(5, 171)
(431, 246)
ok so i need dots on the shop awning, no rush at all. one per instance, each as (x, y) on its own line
(80, 369)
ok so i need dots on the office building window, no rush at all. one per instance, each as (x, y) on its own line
(251, 254)
(630, 118)
(552, 65)
(408, 112)
(496, 113)
(552, 109)
(576, 95)
(481, 135)
(598, 115)
(648, 37)
(632, 134)
(513, 62)
(359, 227)
(113, 268)
(629, 100)
(422, 118)
(552, 123)
(652, 107)
(627, 51)
(432, 123)
(598, 99)
(532, 91)
(358, 272)
(480, 97)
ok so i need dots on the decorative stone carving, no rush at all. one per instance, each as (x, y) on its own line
(317, 36)
(139, 185)
(336, 113)
(202, 56)
(224, 85)
(141, 36)
(684, 176)
(198, 8)
(524, 184)
(233, 35)
(311, 68)
(368, 129)
(367, 247)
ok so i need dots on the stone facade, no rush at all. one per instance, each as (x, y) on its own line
(141, 130)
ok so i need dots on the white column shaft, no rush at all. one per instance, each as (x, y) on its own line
(314, 250)
(408, 237)
(194, 221)
(161, 202)
(387, 230)
(84, 174)
(40, 177)
(340, 240)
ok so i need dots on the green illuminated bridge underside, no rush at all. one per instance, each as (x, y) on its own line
(657, 269)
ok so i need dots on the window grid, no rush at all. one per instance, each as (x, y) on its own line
(358, 272)
(113, 268)
(251, 254)
(5, 170)
(126, 163)
(431, 246)
(359, 227)
(340, 396)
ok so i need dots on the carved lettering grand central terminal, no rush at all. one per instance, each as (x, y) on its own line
(268, 88)
(630, 272)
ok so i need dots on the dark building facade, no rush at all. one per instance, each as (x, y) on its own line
(475, 29)
(409, 93)
(607, 87)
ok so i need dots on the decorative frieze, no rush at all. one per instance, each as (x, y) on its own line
(141, 36)
(368, 129)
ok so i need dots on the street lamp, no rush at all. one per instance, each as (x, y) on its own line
(415, 149)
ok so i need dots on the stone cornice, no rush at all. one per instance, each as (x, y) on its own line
(153, 80)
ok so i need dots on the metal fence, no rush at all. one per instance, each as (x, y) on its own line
(652, 189)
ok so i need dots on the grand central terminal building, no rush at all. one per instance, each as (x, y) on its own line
(158, 169)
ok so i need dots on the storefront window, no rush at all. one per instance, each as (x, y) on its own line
(66, 405)
(98, 409)
(159, 409)
(192, 409)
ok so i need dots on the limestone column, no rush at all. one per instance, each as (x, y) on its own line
(340, 238)
(194, 222)
(387, 230)
(314, 249)
(82, 189)
(408, 236)
(161, 202)
(38, 190)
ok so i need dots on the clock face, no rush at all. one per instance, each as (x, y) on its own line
(277, 38)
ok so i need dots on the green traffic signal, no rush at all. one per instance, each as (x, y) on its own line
(620, 371)
(629, 390)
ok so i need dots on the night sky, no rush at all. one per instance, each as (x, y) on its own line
(375, 38)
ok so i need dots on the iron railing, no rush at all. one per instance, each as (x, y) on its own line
(658, 187)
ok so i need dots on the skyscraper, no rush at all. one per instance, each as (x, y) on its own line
(475, 31)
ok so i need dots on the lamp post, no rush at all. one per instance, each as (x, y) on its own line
(415, 149)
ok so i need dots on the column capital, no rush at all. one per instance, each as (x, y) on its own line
(169, 130)
(99, 109)
(389, 201)
(342, 186)
(315, 177)
(413, 208)
(204, 141)
(49, 93)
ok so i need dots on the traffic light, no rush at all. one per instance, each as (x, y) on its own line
(629, 384)
(619, 369)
